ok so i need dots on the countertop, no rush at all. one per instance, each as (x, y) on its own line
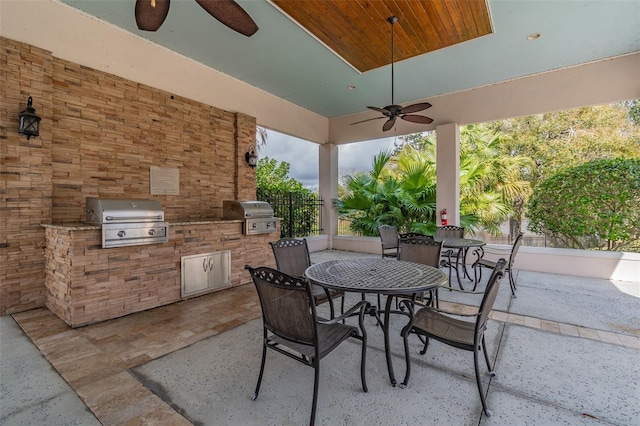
(87, 227)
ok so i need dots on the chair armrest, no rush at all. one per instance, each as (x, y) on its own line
(458, 314)
(361, 305)
(496, 250)
(461, 291)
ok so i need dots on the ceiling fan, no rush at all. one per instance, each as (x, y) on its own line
(150, 14)
(393, 111)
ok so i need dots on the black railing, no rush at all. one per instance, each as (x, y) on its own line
(301, 214)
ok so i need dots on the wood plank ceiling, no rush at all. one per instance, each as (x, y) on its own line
(358, 30)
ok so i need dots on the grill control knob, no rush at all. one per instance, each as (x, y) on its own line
(254, 225)
(121, 234)
(152, 232)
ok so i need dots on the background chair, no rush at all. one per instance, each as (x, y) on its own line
(414, 235)
(486, 263)
(421, 250)
(292, 258)
(389, 240)
(444, 327)
(451, 231)
(291, 326)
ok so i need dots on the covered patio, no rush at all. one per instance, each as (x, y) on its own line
(116, 102)
(567, 351)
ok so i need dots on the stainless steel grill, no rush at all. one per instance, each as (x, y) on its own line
(257, 216)
(128, 222)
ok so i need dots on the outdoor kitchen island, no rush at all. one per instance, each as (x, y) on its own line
(87, 283)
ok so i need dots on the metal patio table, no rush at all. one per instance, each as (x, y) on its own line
(462, 245)
(377, 276)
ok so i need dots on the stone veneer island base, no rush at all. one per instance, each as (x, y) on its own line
(87, 284)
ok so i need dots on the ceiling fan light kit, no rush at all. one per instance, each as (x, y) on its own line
(393, 111)
(150, 14)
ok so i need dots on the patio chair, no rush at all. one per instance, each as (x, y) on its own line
(389, 240)
(486, 263)
(450, 231)
(292, 258)
(414, 235)
(445, 327)
(291, 326)
(421, 250)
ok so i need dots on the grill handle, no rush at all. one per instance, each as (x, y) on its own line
(133, 217)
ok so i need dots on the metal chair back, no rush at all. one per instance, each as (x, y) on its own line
(389, 240)
(292, 255)
(450, 231)
(285, 305)
(420, 250)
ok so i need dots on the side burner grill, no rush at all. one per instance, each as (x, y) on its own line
(128, 222)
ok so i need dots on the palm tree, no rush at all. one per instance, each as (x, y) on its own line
(400, 190)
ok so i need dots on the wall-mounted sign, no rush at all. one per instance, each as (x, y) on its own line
(165, 181)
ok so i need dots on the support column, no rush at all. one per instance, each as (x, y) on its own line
(448, 172)
(328, 188)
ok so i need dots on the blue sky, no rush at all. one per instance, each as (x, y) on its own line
(303, 156)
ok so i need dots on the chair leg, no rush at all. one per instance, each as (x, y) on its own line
(435, 299)
(331, 307)
(264, 357)
(426, 346)
(479, 382)
(477, 275)
(316, 379)
(363, 361)
(486, 358)
(405, 337)
(512, 283)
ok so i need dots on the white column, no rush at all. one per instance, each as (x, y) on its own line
(328, 187)
(448, 172)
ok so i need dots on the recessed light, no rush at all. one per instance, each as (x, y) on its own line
(351, 87)
(533, 36)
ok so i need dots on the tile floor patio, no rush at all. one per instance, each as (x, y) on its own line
(53, 374)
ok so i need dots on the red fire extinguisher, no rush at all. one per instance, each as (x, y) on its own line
(443, 217)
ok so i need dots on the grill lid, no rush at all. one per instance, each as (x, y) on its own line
(234, 210)
(100, 211)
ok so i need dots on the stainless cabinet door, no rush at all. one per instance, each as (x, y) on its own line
(195, 274)
(220, 275)
(202, 272)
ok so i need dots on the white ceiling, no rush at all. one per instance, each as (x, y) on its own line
(284, 60)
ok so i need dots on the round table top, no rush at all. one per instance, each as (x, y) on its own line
(460, 242)
(375, 275)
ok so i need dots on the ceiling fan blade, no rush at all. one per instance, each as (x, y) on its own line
(385, 111)
(368, 119)
(415, 108)
(230, 14)
(417, 118)
(389, 124)
(151, 14)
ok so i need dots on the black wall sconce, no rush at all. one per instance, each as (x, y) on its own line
(29, 124)
(251, 157)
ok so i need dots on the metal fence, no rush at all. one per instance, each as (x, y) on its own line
(301, 214)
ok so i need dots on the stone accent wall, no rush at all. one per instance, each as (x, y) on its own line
(109, 132)
(100, 134)
(87, 283)
(25, 175)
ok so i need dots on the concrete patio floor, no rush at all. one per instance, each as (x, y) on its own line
(566, 351)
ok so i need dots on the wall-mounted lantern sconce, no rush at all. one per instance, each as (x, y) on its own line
(29, 122)
(251, 157)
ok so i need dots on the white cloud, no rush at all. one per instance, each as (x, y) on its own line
(303, 156)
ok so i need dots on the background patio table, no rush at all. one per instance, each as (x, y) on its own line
(462, 245)
(377, 276)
